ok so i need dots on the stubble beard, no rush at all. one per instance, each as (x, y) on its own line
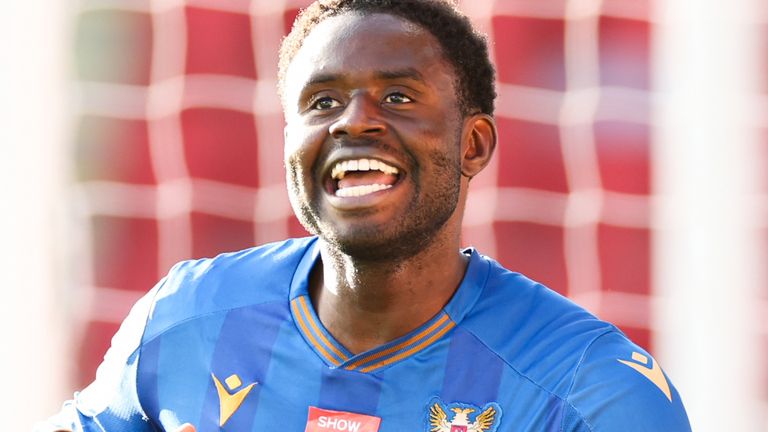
(398, 240)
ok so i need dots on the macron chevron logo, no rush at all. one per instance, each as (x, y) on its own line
(230, 402)
(653, 373)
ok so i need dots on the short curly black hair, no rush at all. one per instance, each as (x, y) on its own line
(464, 47)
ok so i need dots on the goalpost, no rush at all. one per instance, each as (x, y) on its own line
(35, 356)
(710, 251)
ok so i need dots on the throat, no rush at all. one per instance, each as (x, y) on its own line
(366, 308)
(370, 303)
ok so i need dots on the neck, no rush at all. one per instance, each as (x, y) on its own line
(366, 304)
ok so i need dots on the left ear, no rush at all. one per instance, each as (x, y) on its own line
(478, 144)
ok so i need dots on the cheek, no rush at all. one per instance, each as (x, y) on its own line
(438, 135)
(302, 144)
(442, 119)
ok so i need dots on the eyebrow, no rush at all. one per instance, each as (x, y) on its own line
(408, 73)
(386, 75)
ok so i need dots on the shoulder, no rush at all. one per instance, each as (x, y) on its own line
(252, 276)
(536, 331)
(603, 378)
(620, 386)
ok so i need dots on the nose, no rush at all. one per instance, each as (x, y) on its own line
(361, 116)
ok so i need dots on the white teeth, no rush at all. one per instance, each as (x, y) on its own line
(356, 191)
(339, 171)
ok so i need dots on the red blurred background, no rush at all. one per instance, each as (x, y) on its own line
(179, 154)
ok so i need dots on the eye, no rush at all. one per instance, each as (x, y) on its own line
(325, 102)
(397, 98)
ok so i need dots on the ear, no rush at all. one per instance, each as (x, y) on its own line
(478, 144)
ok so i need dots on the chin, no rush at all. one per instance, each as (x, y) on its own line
(375, 250)
(374, 243)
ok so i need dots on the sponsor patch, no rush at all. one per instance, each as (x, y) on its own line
(323, 420)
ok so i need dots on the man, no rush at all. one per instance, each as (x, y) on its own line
(380, 322)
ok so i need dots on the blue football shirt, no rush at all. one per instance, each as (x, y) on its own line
(233, 343)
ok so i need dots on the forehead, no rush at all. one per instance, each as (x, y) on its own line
(355, 45)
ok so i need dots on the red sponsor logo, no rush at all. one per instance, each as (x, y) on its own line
(322, 420)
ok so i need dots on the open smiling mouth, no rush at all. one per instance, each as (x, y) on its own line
(359, 177)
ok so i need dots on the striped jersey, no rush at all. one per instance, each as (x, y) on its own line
(233, 343)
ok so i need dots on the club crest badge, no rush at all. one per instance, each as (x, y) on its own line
(461, 417)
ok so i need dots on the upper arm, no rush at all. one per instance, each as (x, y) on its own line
(110, 402)
(619, 386)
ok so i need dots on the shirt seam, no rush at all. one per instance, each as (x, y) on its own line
(563, 399)
(202, 315)
(578, 413)
(582, 358)
(143, 342)
(510, 365)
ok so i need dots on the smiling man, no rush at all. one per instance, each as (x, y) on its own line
(380, 321)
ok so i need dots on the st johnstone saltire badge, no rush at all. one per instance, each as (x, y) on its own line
(462, 417)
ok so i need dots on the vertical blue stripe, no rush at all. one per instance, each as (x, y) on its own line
(244, 347)
(176, 369)
(350, 391)
(409, 386)
(472, 373)
(554, 415)
(292, 383)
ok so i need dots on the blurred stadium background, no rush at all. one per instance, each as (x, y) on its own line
(631, 176)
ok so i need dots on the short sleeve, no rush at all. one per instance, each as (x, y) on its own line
(619, 386)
